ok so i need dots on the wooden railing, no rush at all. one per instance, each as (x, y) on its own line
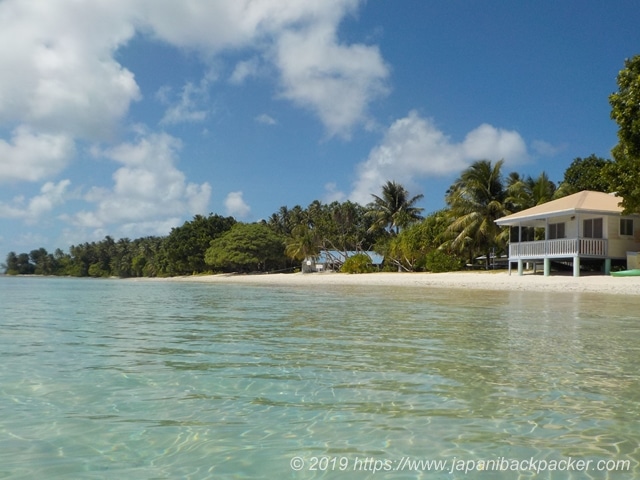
(563, 247)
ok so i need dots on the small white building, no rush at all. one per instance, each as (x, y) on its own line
(583, 225)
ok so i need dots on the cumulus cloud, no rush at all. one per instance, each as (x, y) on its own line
(217, 26)
(147, 187)
(33, 156)
(62, 81)
(336, 82)
(59, 73)
(236, 206)
(414, 147)
(51, 195)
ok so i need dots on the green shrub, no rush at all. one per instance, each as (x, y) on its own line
(389, 267)
(359, 263)
(438, 261)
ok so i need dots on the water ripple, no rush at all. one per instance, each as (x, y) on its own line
(117, 379)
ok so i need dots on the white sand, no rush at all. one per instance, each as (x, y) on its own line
(462, 280)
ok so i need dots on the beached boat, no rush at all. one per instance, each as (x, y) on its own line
(627, 273)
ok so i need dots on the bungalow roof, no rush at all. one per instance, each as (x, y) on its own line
(586, 201)
(328, 255)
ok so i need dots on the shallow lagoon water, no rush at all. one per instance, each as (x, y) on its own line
(120, 379)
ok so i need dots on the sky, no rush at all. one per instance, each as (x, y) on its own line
(128, 117)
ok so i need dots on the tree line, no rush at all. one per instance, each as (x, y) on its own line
(390, 224)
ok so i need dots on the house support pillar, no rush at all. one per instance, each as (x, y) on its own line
(607, 266)
(547, 266)
(576, 266)
(520, 266)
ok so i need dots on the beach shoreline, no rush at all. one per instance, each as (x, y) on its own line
(496, 281)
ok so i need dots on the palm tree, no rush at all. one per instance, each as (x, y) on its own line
(529, 192)
(302, 243)
(476, 200)
(280, 222)
(394, 209)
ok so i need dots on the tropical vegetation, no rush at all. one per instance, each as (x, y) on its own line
(625, 110)
(391, 225)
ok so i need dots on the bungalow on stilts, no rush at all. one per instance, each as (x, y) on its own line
(585, 225)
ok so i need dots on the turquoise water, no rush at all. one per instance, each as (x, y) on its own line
(120, 379)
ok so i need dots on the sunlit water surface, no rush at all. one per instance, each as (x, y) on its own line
(120, 379)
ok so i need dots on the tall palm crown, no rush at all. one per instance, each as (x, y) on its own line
(523, 193)
(304, 242)
(394, 209)
(476, 200)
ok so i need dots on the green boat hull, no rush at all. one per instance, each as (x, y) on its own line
(627, 273)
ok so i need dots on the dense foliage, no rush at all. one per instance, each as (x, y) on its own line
(590, 173)
(625, 110)
(186, 245)
(437, 261)
(247, 247)
(358, 263)
(408, 250)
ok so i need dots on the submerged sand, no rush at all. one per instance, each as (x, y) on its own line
(460, 280)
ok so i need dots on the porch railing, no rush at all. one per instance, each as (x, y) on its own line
(563, 247)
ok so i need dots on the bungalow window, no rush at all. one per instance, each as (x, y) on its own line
(556, 230)
(592, 228)
(626, 226)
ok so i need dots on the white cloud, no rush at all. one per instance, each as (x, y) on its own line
(59, 73)
(156, 227)
(33, 156)
(488, 142)
(337, 82)
(236, 206)
(214, 26)
(414, 147)
(63, 83)
(12, 211)
(332, 194)
(51, 196)
(266, 119)
(185, 109)
(148, 188)
(59, 81)
(244, 70)
(30, 240)
(333, 80)
(190, 105)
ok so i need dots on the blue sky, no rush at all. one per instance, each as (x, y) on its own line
(128, 117)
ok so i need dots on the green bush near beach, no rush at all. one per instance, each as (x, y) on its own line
(359, 263)
(437, 261)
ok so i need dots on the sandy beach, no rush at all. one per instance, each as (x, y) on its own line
(462, 280)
